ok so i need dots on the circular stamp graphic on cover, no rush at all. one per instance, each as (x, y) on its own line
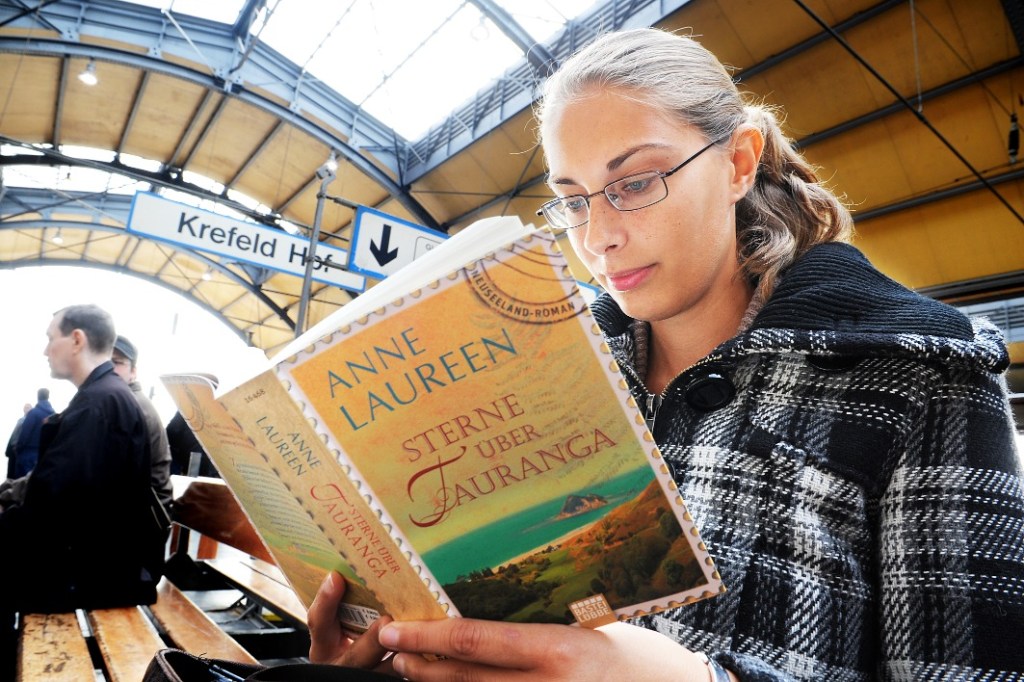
(550, 294)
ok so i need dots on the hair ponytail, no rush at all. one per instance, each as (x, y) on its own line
(787, 211)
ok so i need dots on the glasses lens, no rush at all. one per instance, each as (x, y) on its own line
(567, 212)
(637, 191)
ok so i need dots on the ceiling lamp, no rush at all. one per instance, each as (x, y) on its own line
(89, 75)
(57, 239)
(329, 168)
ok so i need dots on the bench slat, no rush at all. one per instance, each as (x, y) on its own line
(192, 630)
(127, 639)
(52, 648)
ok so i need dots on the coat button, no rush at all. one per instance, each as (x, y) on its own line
(710, 392)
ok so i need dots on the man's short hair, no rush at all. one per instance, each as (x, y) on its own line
(43, 394)
(126, 348)
(96, 322)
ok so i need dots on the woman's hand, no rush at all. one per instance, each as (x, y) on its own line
(489, 650)
(329, 643)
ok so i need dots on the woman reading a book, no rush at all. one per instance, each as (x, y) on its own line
(844, 444)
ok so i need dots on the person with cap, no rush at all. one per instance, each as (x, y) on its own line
(125, 357)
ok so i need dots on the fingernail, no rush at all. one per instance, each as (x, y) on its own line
(388, 636)
(398, 663)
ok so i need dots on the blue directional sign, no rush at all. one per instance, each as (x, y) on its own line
(382, 244)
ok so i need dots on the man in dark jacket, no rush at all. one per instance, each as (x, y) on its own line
(84, 535)
(27, 448)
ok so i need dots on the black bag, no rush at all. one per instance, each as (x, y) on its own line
(175, 665)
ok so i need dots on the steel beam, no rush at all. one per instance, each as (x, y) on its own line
(542, 61)
(130, 122)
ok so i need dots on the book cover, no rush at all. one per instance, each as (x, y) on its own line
(467, 447)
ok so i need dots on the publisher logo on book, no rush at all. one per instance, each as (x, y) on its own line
(527, 304)
(593, 611)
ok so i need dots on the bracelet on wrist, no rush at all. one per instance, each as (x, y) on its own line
(718, 673)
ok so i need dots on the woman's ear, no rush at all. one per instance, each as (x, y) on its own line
(746, 147)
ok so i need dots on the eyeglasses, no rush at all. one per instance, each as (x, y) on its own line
(628, 194)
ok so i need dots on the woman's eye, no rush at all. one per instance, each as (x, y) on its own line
(574, 204)
(635, 185)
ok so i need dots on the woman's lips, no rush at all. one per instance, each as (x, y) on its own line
(628, 279)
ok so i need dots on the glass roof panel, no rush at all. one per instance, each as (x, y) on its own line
(60, 178)
(542, 19)
(448, 69)
(408, 63)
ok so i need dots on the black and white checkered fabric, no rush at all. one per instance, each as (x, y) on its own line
(860, 492)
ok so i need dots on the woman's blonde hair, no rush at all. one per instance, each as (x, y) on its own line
(787, 211)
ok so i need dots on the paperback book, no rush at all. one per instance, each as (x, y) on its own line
(458, 441)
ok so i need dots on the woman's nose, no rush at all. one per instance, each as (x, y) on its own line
(605, 230)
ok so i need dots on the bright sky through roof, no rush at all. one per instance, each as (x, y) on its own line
(172, 334)
(408, 63)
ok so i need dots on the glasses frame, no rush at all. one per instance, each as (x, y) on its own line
(557, 201)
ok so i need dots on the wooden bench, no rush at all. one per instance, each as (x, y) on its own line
(117, 644)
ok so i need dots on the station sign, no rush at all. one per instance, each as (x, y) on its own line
(238, 240)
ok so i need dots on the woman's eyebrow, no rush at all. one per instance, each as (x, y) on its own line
(612, 164)
(624, 156)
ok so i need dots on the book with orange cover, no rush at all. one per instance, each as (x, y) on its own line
(458, 442)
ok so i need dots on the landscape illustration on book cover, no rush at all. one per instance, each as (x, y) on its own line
(465, 447)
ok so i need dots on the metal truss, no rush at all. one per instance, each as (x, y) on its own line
(30, 209)
(253, 73)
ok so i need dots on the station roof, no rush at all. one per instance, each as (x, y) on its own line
(233, 107)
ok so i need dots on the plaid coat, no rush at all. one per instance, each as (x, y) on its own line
(850, 462)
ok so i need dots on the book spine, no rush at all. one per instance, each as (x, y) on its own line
(291, 449)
